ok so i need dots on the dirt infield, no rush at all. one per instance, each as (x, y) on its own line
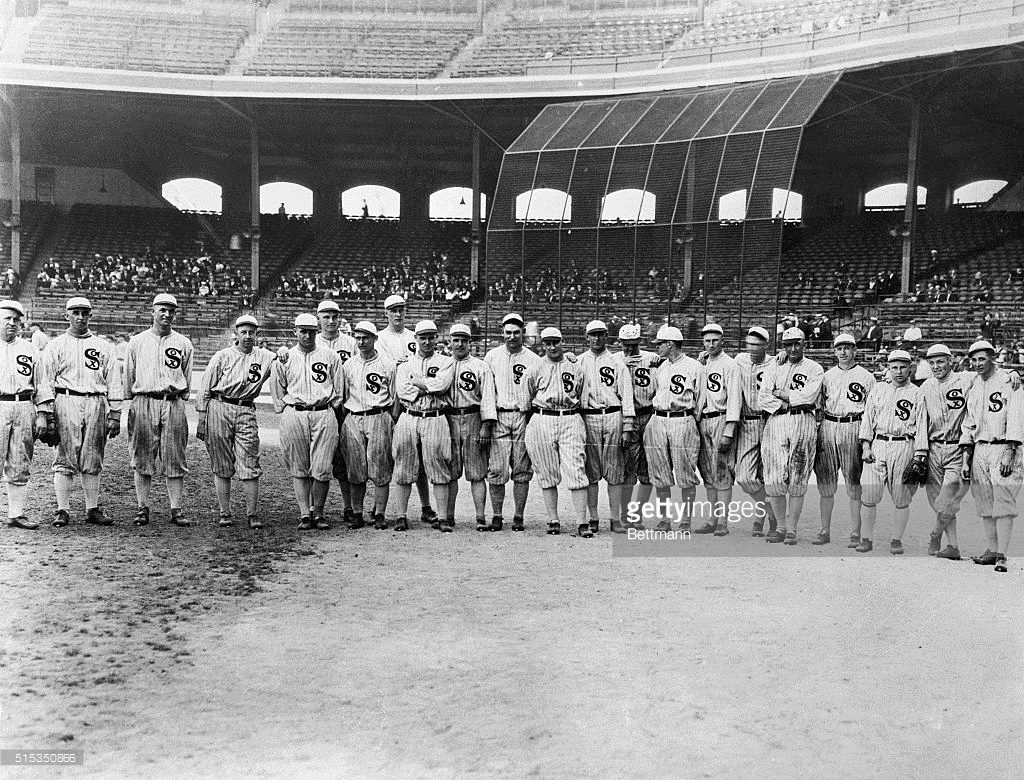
(208, 652)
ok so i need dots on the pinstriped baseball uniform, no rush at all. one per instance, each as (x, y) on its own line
(19, 373)
(159, 431)
(995, 414)
(344, 345)
(749, 471)
(556, 443)
(308, 437)
(473, 387)
(508, 456)
(844, 394)
(607, 383)
(640, 368)
(397, 346)
(232, 435)
(947, 406)
(369, 424)
(82, 365)
(790, 435)
(416, 435)
(673, 443)
(723, 403)
(896, 413)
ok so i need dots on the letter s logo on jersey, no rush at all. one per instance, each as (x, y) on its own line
(642, 377)
(344, 354)
(319, 372)
(255, 373)
(432, 371)
(607, 375)
(568, 382)
(173, 358)
(25, 365)
(996, 402)
(412, 347)
(758, 376)
(855, 392)
(92, 359)
(798, 382)
(517, 372)
(714, 382)
(677, 384)
(955, 398)
(904, 408)
(375, 383)
(467, 381)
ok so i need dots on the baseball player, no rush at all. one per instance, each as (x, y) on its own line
(367, 432)
(992, 431)
(472, 412)
(641, 364)
(508, 458)
(399, 343)
(893, 431)
(306, 390)
(555, 434)
(844, 394)
(227, 417)
(21, 421)
(719, 422)
(77, 386)
(332, 337)
(945, 397)
(749, 470)
(157, 382)
(672, 439)
(423, 439)
(788, 396)
(609, 418)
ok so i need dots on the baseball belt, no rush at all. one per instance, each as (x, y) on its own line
(992, 441)
(892, 438)
(454, 411)
(711, 415)
(431, 413)
(846, 419)
(234, 401)
(945, 441)
(367, 412)
(69, 391)
(501, 409)
(313, 408)
(606, 410)
(752, 417)
(555, 412)
(681, 413)
(794, 410)
(162, 396)
(25, 395)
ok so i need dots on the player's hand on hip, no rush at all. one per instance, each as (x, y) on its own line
(1006, 462)
(201, 427)
(866, 454)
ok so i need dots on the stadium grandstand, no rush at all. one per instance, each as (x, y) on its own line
(642, 160)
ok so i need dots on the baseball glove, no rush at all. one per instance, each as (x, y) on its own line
(50, 435)
(916, 472)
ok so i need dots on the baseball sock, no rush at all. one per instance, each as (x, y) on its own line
(380, 498)
(1004, 530)
(479, 492)
(826, 505)
(579, 503)
(16, 499)
(346, 494)
(796, 506)
(358, 496)
(301, 486)
(453, 495)
(902, 516)
(441, 497)
(175, 489)
(592, 497)
(63, 484)
(855, 506)
(318, 495)
(402, 493)
(143, 484)
(252, 495)
(91, 488)
(870, 514)
(520, 492)
(551, 503)
(991, 535)
(614, 497)
(951, 536)
(497, 498)
(223, 494)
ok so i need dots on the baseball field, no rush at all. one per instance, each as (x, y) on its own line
(206, 652)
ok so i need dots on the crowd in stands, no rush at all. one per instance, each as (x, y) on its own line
(8, 281)
(572, 284)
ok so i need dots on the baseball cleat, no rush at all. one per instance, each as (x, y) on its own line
(402, 524)
(664, 525)
(707, 528)
(321, 523)
(935, 542)
(1001, 564)
(481, 524)
(637, 526)
(554, 528)
(356, 521)
(758, 529)
(865, 546)
(22, 522)
(896, 547)
(254, 521)
(987, 558)
(380, 523)
(61, 519)
(142, 516)
(518, 524)
(447, 526)
(617, 526)
(225, 521)
(595, 526)
(951, 553)
(350, 516)
(95, 516)
(437, 524)
(584, 531)
(790, 538)
(854, 541)
(722, 530)
(179, 519)
(497, 524)
(823, 537)
(428, 516)
(305, 523)
(776, 536)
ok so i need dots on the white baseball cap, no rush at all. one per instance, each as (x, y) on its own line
(515, 319)
(977, 346)
(425, 326)
(327, 305)
(165, 299)
(365, 326)
(393, 300)
(711, 327)
(13, 306)
(460, 329)
(629, 333)
(550, 333)
(793, 334)
(937, 350)
(78, 302)
(307, 321)
(758, 331)
(899, 355)
(844, 338)
(668, 333)
(595, 326)
(247, 319)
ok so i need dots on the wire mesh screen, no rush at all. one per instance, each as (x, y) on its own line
(650, 209)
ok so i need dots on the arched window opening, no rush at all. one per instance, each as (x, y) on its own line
(544, 205)
(371, 201)
(455, 204)
(628, 206)
(191, 194)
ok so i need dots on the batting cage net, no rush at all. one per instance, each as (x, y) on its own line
(650, 209)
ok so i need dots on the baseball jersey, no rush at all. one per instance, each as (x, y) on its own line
(551, 385)
(344, 345)
(679, 386)
(397, 346)
(845, 391)
(751, 377)
(947, 404)
(82, 363)
(309, 378)
(369, 384)
(723, 386)
(896, 411)
(509, 374)
(474, 386)
(158, 364)
(802, 380)
(235, 374)
(19, 366)
(436, 371)
(640, 368)
(994, 410)
(607, 382)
